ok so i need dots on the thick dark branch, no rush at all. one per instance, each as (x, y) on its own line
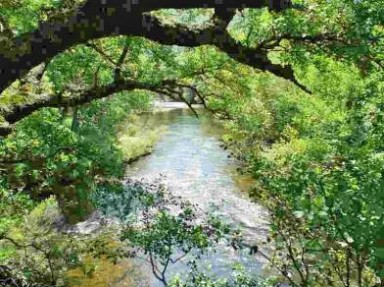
(98, 19)
(19, 112)
(93, 20)
(218, 36)
(22, 111)
(150, 5)
(180, 35)
(224, 14)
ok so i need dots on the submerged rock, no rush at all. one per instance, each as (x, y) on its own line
(93, 224)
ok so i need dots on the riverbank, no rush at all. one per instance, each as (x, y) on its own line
(194, 167)
(139, 133)
(137, 137)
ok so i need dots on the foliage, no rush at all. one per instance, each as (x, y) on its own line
(319, 174)
(39, 253)
(160, 227)
(12, 207)
(23, 16)
(317, 157)
(238, 278)
(69, 155)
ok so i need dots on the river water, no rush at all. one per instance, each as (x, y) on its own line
(196, 168)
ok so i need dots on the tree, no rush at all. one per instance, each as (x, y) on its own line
(93, 20)
(291, 34)
(317, 158)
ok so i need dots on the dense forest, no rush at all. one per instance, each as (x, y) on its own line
(298, 87)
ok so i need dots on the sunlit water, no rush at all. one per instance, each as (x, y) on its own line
(199, 170)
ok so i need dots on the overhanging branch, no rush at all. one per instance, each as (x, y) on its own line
(98, 19)
(54, 101)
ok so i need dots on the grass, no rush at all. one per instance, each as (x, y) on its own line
(137, 137)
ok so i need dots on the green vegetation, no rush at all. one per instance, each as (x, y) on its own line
(137, 137)
(319, 171)
(69, 155)
(310, 132)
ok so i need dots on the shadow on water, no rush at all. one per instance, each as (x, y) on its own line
(196, 168)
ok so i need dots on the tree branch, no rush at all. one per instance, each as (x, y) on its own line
(82, 97)
(110, 18)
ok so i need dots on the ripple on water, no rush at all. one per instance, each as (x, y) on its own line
(199, 170)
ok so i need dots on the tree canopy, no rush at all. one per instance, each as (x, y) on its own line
(268, 41)
(298, 86)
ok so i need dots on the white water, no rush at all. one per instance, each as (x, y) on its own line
(199, 170)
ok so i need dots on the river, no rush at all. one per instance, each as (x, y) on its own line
(195, 167)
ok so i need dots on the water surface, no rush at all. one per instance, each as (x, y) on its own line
(196, 168)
